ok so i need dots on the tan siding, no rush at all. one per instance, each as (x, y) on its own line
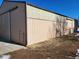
(39, 31)
(43, 25)
(41, 14)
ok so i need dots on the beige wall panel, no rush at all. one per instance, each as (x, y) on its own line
(62, 29)
(62, 25)
(41, 14)
(69, 27)
(39, 30)
(74, 25)
(72, 28)
(59, 26)
(58, 21)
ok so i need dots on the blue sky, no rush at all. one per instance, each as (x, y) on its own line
(65, 7)
(1, 2)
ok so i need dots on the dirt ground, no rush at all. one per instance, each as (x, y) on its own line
(58, 48)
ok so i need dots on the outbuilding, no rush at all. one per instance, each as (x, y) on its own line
(27, 24)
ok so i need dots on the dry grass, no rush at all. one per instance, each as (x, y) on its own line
(59, 48)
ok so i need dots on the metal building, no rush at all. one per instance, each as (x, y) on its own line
(27, 24)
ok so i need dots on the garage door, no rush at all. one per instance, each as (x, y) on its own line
(18, 25)
(5, 26)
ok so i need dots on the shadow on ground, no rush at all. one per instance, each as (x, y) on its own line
(2, 39)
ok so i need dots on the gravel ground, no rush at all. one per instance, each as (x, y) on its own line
(51, 49)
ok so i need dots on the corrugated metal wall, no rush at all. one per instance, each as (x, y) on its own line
(18, 24)
(43, 25)
(12, 22)
(5, 26)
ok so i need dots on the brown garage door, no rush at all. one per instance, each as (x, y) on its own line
(5, 26)
(18, 25)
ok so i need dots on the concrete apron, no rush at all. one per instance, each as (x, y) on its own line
(8, 47)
